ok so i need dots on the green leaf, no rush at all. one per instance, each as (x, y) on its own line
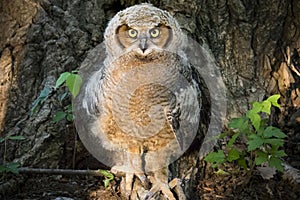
(70, 117)
(261, 157)
(277, 163)
(242, 162)
(273, 99)
(63, 96)
(215, 158)
(69, 108)
(12, 167)
(41, 99)
(236, 123)
(233, 154)
(108, 176)
(271, 131)
(62, 78)
(59, 115)
(106, 182)
(17, 137)
(241, 124)
(232, 140)
(254, 118)
(45, 94)
(256, 107)
(254, 142)
(266, 107)
(274, 142)
(279, 153)
(73, 83)
(2, 139)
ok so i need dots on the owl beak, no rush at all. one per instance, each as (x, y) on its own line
(143, 44)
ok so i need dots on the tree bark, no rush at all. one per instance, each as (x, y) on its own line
(256, 45)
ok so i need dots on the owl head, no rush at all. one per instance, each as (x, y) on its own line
(142, 29)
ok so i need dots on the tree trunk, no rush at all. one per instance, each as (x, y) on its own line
(255, 44)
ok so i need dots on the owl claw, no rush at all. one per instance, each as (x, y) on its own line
(126, 185)
(165, 188)
(160, 187)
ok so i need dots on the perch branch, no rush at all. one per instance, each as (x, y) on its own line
(26, 170)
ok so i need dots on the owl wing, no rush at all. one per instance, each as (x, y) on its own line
(183, 111)
(173, 117)
(87, 106)
(92, 72)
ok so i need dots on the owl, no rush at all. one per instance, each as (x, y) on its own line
(139, 107)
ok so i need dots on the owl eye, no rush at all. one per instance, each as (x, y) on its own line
(132, 33)
(154, 33)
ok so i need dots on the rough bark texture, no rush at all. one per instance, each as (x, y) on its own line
(255, 43)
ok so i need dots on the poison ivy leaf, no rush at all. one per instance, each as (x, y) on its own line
(274, 142)
(73, 83)
(59, 115)
(279, 153)
(273, 99)
(271, 131)
(239, 123)
(254, 118)
(261, 157)
(254, 142)
(17, 137)
(233, 154)
(215, 158)
(41, 99)
(62, 78)
(277, 163)
(233, 139)
(256, 107)
(266, 107)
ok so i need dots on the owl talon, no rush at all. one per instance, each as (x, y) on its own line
(160, 187)
(126, 185)
(175, 184)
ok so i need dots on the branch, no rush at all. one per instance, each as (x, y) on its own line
(26, 170)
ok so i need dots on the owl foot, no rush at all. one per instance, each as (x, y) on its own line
(165, 188)
(126, 185)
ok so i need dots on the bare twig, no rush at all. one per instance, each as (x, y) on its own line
(26, 170)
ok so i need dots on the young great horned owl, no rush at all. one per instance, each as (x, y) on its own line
(139, 110)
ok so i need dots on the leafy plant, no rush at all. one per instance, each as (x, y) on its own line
(45, 93)
(262, 142)
(73, 82)
(108, 176)
(9, 166)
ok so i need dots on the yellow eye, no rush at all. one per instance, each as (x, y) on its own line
(132, 33)
(154, 33)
